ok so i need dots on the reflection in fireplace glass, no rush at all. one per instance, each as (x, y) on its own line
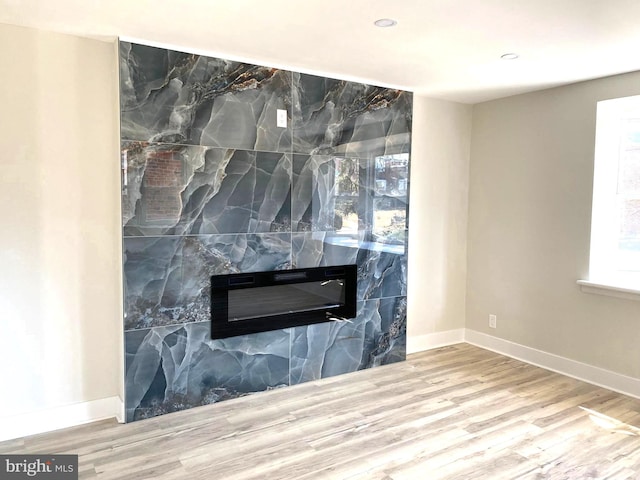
(275, 300)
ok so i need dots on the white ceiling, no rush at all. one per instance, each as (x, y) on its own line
(447, 49)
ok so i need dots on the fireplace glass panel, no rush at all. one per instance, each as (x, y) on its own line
(250, 303)
(263, 301)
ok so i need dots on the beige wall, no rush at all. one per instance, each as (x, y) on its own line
(529, 227)
(438, 216)
(60, 287)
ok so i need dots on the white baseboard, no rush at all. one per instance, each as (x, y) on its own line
(420, 343)
(41, 421)
(571, 368)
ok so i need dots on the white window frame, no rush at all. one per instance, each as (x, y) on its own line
(605, 275)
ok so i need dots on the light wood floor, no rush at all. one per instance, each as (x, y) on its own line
(458, 412)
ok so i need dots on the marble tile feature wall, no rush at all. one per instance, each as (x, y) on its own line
(212, 185)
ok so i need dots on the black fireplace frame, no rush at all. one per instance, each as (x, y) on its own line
(223, 327)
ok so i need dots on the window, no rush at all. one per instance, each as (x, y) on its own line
(615, 226)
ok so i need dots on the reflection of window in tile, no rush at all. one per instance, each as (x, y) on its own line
(345, 195)
(162, 185)
(368, 196)
(381, 186)
(389, 202)
(346, 180)
(391, 174)
(389, 220)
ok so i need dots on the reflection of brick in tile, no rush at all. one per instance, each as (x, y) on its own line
(162, 170)
(162, 204)
(162, 184)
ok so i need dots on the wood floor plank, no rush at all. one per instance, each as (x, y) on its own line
(456, 412)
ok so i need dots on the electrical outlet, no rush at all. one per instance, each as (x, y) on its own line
(281, 118)
(493, 321)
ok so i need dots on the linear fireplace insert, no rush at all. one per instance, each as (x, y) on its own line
(244, 303)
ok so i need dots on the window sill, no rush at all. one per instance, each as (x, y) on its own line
(611, 290)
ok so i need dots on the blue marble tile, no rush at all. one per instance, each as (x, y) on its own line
(376, 337)
(339, 117)
(175, 97)
(382, 268)
(212, 185)
(385, 331)
(180, 190)
(177, 367)
(167, 279)
(326, 349)
(150, 383)
(244, 364)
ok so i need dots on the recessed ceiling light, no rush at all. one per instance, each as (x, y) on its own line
(385, 22)
(509, 56)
